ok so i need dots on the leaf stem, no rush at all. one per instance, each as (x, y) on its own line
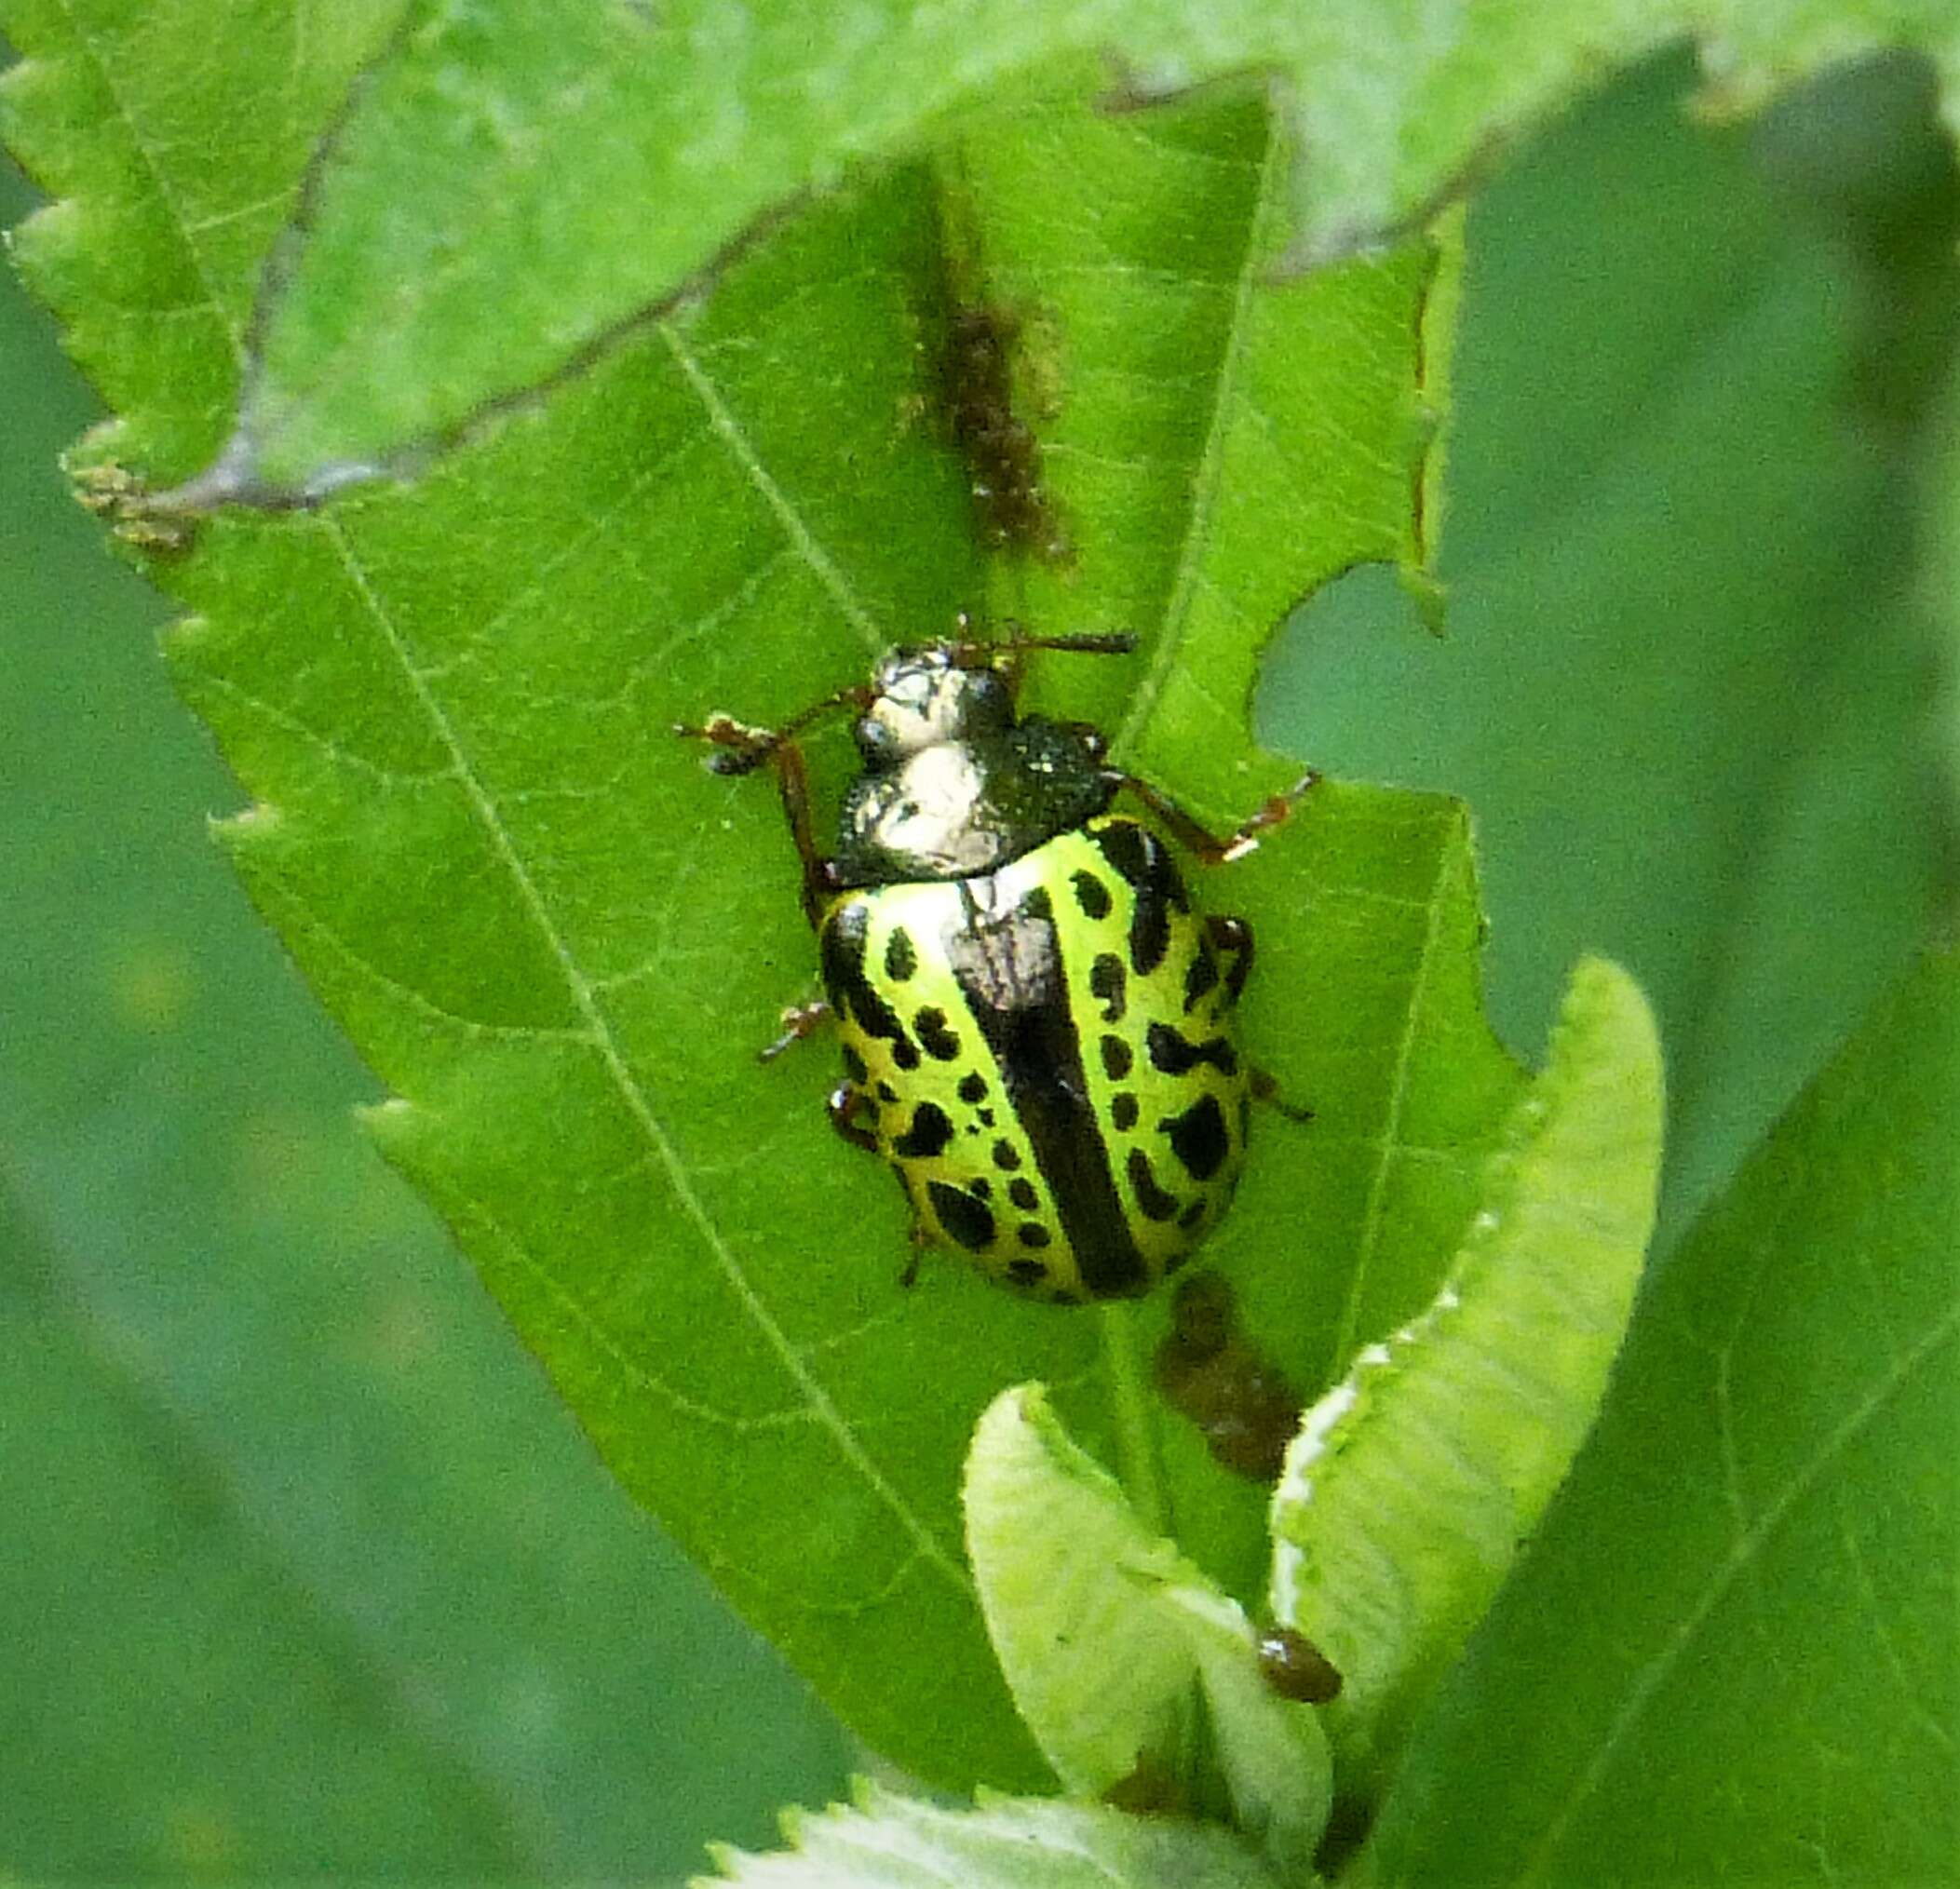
(1136, 1431)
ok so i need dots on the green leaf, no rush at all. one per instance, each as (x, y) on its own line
(1688, 682)
(1110, 1638)
(1414, 1482)
(895, 1843)
(1752, 1567)
(262, 1426)
(573, 172)
(556, 938)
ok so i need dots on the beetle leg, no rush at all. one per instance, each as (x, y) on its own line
(1266, 1088)
(741, 750)
(845, 1102)
(921, 1239)
(819, 872)
(799, 1020)
(1204, 845)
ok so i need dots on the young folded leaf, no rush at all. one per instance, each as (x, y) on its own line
(895, 1843)
(1111, 1640)
(1413, 1483)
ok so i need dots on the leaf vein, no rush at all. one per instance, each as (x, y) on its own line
(585, 998)
(728, 429)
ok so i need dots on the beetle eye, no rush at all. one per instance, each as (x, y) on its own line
(986, 702)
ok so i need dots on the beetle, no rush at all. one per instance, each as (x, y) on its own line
(1035, 1021)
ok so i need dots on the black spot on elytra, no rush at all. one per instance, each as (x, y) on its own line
(1107, 983)
(1202, 977)
(1147, 865)
(964, 1218)
(854, 1067)
(930, 1133)
(940, 1043)
(1176, 1055)
(1006, 1155)
(1123, 1112)
(845, 935)
(1026, 1272)
(973, 1086)
(1192, 1215)
(1200, 1138)
(1127, 847)
(1031, 1232)
(1116, 1057)
(1091, 895)
(1020, 1191)
(901, 956)
(986, 1119)
(886, 1094)
(980, 1187)
(1155, 1203)
(1038, 906)
(1237, 972)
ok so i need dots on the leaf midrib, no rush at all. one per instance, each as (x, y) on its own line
(1205, 477)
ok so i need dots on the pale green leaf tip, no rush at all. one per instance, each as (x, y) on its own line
(1412, 1482)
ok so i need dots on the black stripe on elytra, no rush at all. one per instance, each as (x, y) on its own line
(845, 935)
(1143, 859)
(1176, 1055)
(1008, 968)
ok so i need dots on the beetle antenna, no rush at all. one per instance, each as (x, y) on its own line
(744, 749)
(1016, 643)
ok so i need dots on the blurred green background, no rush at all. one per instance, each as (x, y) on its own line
(303, 1570)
